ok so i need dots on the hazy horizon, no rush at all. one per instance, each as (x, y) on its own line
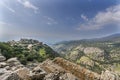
(58, 20)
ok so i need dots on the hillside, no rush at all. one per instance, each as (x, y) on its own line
(29, 59)
(27, 50)
(57, 69)
(96, 54)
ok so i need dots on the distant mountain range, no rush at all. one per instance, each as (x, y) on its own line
(113, 37)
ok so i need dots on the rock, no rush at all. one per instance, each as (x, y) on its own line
(77, 70)
(50, 67)
(94, 53)
(37, 74)
(8, 75)
(13, 62)
(3, 64)
(108, 75)
(52, 76)
(23, 73)
(68, 76)
(7, 67)
(2, 58)
(37, 70)
(2, 71)
(13, 76)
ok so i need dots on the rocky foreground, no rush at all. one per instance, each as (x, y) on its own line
(57, 69)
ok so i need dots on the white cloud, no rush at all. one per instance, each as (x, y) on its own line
(49, 20)
(84, 17)
(28, 4)
(3, 23)
(10, 9)
(110, 16)
(2, 3)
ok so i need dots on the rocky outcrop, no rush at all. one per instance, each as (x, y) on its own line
(23, 73)
(109, 75)
(2, 58)
(57, 69)
(8, 75)
(77, 70)
(94, 53)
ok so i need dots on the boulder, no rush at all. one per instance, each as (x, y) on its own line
(8, 75)
(13, 62)
(23, 73)
(3, 64)
(2, 58)
(37, 74)
(12, 76)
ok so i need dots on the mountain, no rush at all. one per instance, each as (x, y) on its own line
(27, 50)
(114, 37)
(29, 59)
(96, 54)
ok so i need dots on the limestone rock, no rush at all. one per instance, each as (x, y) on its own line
(108, 75)
(94, 53)
(37, 74)
(8, 75)
(68, 76)
(23, 73)
(3, 64)
(2, 58)
(13, 62)
(52, 76)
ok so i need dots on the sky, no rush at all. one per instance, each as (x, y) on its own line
(58, 20)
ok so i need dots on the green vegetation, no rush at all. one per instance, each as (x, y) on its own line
(104, 54)
(117, 68)
(38, 52)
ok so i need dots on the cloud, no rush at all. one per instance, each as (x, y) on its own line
(50, 21)
(10, 9)
(3, 23)
(110, 16)
(2, 3)
(84, 17)
(28, 4)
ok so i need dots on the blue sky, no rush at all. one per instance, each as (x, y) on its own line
(57, 20)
